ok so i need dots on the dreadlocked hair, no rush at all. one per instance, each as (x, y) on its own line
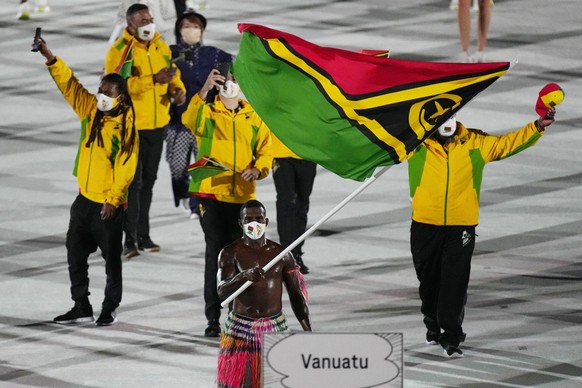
(128, 135)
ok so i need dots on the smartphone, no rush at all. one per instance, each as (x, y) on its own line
(223, 68)
(36, 40)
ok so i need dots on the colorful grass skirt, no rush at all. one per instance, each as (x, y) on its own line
(239, 356)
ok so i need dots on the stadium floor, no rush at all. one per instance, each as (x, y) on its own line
(523, 315)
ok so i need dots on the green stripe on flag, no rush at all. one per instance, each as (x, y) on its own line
(329, 134)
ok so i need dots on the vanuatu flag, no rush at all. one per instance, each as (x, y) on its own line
(204, 168)
(350, 112)
(126, 61)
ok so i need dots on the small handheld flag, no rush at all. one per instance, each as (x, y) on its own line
(126, 62)
(205, 168)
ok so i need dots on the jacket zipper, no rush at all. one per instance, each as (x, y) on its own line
(154, 89)
(234, 161)
(446, 192)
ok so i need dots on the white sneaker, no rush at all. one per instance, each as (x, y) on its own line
(466, 57)
(194, 216)
(23, 11)
(480, 56)
(454, 6)
(185, 205)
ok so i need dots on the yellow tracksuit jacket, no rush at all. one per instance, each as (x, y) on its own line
(238, 140)
(101, 172)
(151, 101)
(445, 181)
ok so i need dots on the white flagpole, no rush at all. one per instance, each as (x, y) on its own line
(307, 233)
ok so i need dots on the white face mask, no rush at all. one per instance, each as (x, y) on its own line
(449, 127)
(229, 90)
(105, 103)
(254, 230)
(191, 35)
(146, 32)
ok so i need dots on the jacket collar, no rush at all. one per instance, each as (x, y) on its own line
(460, 134)
(245, 107)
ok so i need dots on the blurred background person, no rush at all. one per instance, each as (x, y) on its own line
(24, 9)
(197, 60)
(293, 177)
(483, 22)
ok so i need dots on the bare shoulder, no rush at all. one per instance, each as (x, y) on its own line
(275, 248)
(274, 245)
(287, 261)
(229, 251)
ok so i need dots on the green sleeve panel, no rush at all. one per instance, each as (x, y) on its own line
(254, 138)
(531, 141)
(115, 146)
(477, 164)
(204, 144)
(416, 168)
(84, 123)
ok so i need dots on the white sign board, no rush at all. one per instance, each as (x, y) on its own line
(332, 360)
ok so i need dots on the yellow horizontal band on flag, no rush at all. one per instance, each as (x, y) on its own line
(350, 106)
(339, 98)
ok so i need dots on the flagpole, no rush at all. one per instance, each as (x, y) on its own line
(307, 233)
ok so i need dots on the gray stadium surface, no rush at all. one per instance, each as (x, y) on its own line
(523, 316)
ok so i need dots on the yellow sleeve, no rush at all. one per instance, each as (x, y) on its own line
(76, 95)
(177, 83)
(503, 146)
(263, 150)
(191, 116)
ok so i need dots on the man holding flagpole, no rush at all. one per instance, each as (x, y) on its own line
(231, 134)
(143, 58)
(259, 309)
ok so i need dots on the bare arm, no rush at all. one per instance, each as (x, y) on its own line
(297, 291)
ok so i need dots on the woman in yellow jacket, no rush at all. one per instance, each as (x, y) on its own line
(445, 174)
(105, 166)
(230, 132)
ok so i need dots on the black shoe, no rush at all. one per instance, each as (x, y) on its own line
(76, 315)
(213, 329)
(432, 337)
(106, 318)
(452, 351)
(145, 243)
(129, 250)
(302, 267)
